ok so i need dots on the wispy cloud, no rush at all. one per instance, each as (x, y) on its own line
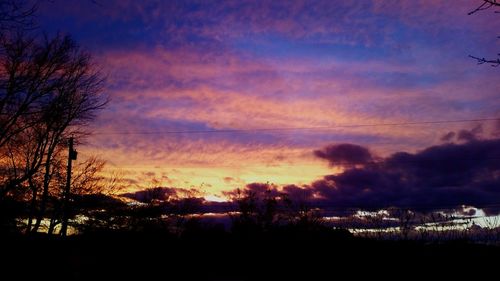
(204, 65)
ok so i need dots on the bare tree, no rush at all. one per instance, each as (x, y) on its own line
(15, 14)
(49, 90)
(88, 180)
(485, 5)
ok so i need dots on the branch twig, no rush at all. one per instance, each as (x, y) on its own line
(493, 62)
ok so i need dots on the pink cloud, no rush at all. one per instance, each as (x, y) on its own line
(216, 85)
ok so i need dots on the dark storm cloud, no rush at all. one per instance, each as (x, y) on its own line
(448, 136)
(344, 153)
(152, 194)
(464, 135)
(298, 194)
(443, 176)
(470, 135)
(179, 201)
(440, 177)
(258, 187)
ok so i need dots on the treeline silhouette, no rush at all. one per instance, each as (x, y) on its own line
(268, 238)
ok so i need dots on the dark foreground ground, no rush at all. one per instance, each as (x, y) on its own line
(115, 256)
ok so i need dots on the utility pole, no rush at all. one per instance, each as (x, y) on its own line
(72, 154)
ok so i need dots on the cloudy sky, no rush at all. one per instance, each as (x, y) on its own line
(205, 94)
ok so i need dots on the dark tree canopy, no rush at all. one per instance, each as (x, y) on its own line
(50, 90)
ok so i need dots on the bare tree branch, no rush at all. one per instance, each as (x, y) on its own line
(486, 4)
(49, 89)
(493, 62)
(16, 14)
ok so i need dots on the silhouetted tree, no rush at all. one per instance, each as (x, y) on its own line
(50, 90)
(269, 210)
(87, 180)
(302, 216)
(39, 76)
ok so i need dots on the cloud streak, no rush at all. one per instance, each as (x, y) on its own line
(194, 66)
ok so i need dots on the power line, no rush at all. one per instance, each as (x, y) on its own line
(297, 128)
(318, 163)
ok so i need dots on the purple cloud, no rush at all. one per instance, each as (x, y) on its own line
(345, 153)
(442, 176)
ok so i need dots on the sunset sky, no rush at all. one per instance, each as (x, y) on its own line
(205, 94)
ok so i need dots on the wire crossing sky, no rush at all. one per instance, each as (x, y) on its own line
(300, 128)
(242, 83)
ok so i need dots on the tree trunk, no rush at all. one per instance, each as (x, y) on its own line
(53, 224)
(32, 209)
(45, 194)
